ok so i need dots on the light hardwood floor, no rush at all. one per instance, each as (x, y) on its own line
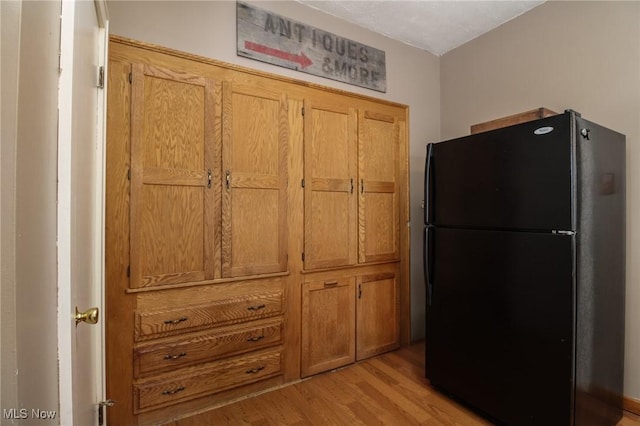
(389, 389)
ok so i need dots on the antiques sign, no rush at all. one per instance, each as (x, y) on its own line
(275, 39)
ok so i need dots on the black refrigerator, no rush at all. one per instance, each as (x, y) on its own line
(524, 261)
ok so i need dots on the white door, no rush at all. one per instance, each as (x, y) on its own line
(80, 210)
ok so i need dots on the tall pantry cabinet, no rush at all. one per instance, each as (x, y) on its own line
(256, 231)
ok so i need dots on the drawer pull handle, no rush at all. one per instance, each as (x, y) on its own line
(173, 391)
(255, 370)
(331, 283)
(255, 339)
(176, 321)
(172, 357)
(256, 307)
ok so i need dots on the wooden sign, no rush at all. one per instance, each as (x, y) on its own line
(275, 39)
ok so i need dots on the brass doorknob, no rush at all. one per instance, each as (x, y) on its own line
(90, 316)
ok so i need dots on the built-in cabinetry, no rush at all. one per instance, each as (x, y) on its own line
(348, 318)
(254, 231)
(351, 219)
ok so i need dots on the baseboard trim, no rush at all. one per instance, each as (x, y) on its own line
(631, 404)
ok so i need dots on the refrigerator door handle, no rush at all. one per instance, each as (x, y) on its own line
(427, 261)
(428, 182)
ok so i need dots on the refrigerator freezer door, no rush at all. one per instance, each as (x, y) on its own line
(519, 177)
(499, 327)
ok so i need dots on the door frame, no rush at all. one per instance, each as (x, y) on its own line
(66, 323)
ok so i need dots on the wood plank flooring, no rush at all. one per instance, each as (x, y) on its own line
(386, 390)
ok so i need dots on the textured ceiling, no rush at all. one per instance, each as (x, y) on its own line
(434, 26)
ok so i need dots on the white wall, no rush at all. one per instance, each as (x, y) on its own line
(10, 16)
(208, 28)
(581, 55)
(30, 41)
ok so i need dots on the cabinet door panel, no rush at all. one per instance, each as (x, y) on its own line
(378, 319)
(172, 155)
(254, 201)
(328, 315)
(330, 202)
(379, 214)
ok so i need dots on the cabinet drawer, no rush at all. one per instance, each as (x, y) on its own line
(223, 312)
(214, 377)
(202, 347)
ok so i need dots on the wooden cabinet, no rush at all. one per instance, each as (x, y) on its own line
(172, 161)
(329, 318)
(254, 167)
(206, 379)
(352, 208)
(511, 120)
(351, 220)
(348, 318)
(330, 173)
(203, 340)
(379, 206)
(378, 318)
(252, 231)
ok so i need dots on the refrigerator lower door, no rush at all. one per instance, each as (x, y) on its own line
(500, 323)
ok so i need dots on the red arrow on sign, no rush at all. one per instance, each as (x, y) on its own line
(287, 56)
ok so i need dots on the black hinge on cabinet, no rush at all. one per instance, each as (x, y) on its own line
(129, 174)
(359, 291)
(101, 77)
(303, 111)
(130, 78)
(129, 271)
(302, 183)
(303, 256)
(101, 405)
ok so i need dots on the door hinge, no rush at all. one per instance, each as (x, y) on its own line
(303, 256)
(302, 183)
(101, 77)
(359, 291)
(129, 174)
(129, 271)
(101, 405)
(303, 111)
(130, 78)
